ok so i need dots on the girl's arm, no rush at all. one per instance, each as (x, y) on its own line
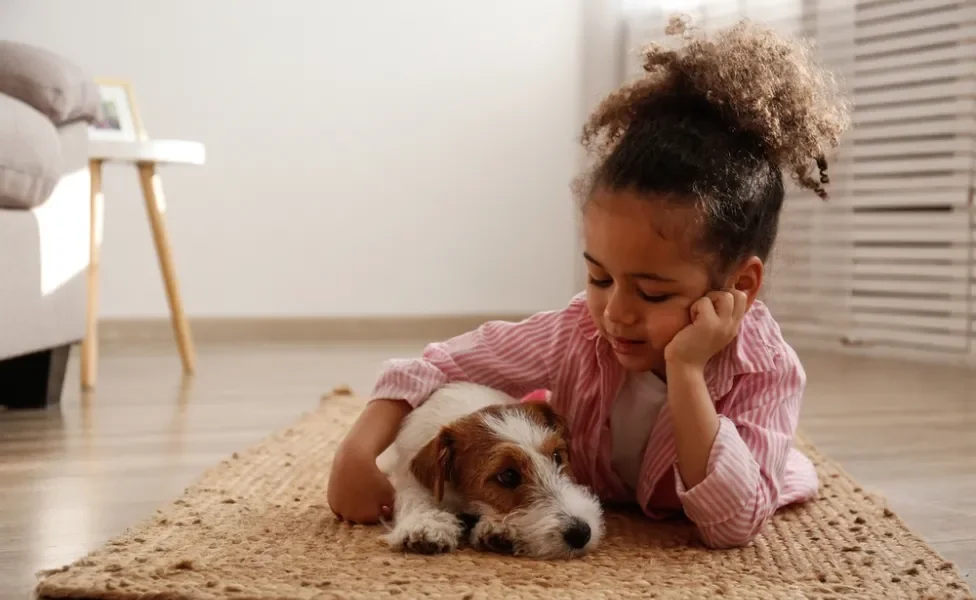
(729, 481)
(358, 491)
(377, 426)
(695, 420)
(516, 358)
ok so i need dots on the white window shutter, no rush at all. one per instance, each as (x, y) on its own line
(809, 284)
(884, 267)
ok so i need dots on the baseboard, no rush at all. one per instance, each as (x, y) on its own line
(297, 330)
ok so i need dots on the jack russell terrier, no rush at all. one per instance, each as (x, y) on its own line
(474, 462)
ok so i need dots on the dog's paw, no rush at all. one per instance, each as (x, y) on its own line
(431, 533)
(493, 537)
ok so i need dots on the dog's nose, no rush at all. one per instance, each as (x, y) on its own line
(577, 535)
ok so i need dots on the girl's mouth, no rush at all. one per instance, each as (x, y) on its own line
(627, 345)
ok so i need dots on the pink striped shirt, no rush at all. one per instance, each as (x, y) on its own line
(756, 384)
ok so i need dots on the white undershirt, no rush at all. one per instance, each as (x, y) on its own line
(631, 420)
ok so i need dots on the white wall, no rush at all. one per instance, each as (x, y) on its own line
(381, 157)
(603, 59)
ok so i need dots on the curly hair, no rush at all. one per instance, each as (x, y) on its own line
(714, 123)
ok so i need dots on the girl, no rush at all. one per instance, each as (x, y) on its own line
(679, 390)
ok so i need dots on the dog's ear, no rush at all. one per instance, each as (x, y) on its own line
(434, 464)
(545, 414)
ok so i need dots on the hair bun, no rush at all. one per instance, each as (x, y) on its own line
(762, 83)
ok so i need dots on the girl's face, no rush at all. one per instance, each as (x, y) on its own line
(643, 277)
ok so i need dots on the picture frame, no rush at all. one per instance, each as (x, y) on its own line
(119, 118)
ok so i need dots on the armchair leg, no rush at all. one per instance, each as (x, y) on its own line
(35, 380)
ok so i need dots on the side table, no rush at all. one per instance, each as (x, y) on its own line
(145, 155)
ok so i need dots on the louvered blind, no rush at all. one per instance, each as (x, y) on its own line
(886, 265)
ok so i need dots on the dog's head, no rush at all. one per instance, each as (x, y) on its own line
(511, 464)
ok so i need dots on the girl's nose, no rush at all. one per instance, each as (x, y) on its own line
(619, 311)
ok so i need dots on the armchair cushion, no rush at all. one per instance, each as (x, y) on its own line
(56, 87)
(30, 155)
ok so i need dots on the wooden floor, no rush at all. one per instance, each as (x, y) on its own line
(70, 479)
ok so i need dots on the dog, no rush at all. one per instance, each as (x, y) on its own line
(474, 463)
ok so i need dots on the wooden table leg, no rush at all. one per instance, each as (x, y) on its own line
(89, 345)
(152, 190)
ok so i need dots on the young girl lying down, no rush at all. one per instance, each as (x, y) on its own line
(680, 392)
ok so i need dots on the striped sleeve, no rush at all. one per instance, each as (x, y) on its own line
(747, 466)
(516, 358)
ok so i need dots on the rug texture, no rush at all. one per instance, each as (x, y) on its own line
(257, 526)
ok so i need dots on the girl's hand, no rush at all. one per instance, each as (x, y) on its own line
(715, 321)
(358, 491)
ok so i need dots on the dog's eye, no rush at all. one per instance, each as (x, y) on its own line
(557, 458)
(510, 478)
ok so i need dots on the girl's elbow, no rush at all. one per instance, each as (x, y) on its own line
(727, 541)
(734, 533)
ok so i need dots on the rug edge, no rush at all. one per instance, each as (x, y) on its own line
(43, 575)
(881, 499)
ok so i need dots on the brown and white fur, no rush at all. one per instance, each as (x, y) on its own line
(474, 462)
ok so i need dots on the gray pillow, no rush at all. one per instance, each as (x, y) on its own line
(53, 85)
(30, 155)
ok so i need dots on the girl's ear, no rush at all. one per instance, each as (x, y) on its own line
(748, 278)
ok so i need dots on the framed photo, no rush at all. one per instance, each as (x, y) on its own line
(119, 119)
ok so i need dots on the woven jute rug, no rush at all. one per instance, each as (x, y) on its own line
(257, 526)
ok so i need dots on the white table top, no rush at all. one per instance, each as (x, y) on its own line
(176, 152)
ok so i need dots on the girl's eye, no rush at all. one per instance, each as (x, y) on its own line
(600, 283)
(557, 458)
(655, 299)
(510, 478)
